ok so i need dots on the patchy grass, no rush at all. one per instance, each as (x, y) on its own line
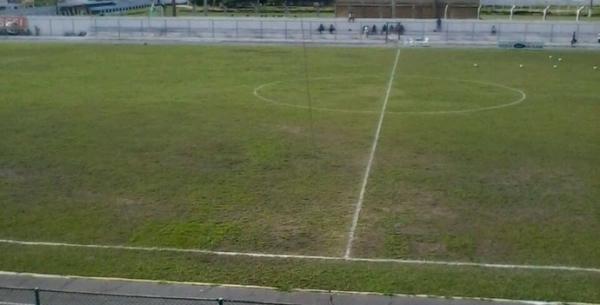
(315, 274)
(512, 185)
(167, 146)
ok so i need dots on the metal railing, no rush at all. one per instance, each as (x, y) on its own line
(235, 29)
(35, 296)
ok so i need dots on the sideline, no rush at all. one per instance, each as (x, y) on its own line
(305, 257)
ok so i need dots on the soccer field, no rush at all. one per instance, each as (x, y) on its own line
(415, 158)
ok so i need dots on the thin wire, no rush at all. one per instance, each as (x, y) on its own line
(308, 93)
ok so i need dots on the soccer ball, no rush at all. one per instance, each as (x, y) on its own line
(595, 67)
(521, 66)
(555, 66)
(550, 56)
(475, 65)
(559, 59)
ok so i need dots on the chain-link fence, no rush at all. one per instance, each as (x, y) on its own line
(325, 30)
(25, 296)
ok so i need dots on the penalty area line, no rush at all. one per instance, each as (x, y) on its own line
(365, 180)
(304, 257)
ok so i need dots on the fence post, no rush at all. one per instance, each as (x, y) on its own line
(237, 31)
(285, 29)
(212, 27)
(50, 25)
(220, 301)
(36, 291)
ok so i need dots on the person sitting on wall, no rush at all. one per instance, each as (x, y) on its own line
(574, 39)
(438, 25)
(374, 29)
(350, 17)
(331, 29)
(493, 30)
(384, 29)
(321, 28)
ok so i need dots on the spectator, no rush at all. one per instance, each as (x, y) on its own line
(493, 30)
(574, 39)
(374, 29)
(438, 25)
(321, 28)
(350, 17)
(598, 37)
(331, 29)
(400, 28)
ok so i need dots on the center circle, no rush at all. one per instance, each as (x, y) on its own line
(409, 94)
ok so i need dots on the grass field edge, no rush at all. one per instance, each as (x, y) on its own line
(365, 293)
(304, 257)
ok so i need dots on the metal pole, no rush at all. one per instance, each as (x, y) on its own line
(205, 8)
(393, 8)
(36, 291)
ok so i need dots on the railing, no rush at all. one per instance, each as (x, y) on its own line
(28, 296)
(366, 30)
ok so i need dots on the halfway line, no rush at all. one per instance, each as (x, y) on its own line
(361, 196)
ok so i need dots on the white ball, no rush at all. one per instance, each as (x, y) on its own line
(521, 66)
(595, 67)
(559, 59)
(475, 65)
(555, 66)
(550, 56)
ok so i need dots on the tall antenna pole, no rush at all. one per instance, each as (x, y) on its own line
(307, 84)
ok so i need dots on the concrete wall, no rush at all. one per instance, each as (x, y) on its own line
(476, 31)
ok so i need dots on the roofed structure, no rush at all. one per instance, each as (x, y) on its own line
(460, 9)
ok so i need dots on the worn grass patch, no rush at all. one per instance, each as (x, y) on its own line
(168, 146)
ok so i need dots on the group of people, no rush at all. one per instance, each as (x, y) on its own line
(385, 29)
(321, 29)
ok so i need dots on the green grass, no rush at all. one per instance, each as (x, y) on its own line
(168, 146)
(289, 274)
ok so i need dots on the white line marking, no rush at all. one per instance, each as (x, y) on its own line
(329, 292)
(440, 112)
(365, 180)
(11, 303)
(305, 257)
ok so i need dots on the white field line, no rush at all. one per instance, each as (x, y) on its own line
(521, 99)
(329, 292)
(12, 303)
(365, 179)
(304, 257)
